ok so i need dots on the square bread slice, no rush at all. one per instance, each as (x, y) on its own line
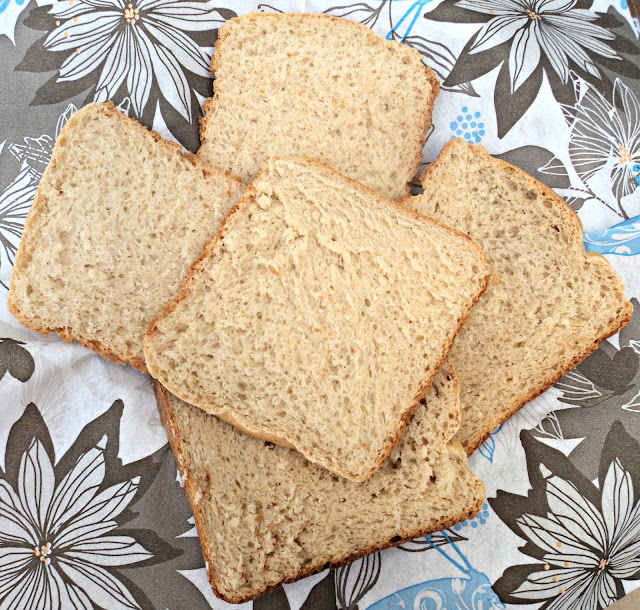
(294, 85)
(549, 303)
(301, 322)
(266, 516)
(119, 216)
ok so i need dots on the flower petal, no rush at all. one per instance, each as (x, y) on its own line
(13, 562)
(78, 65)
(626, 103)
(575, 512)
(36, 483)
(617, 499)
(48, 594)
(524, 55)
(497, 31)
(554, 51)
(77, 598)
(554, 537)
(586, 560)
(187, 52)
(492, 7)
(71, 534)
(104, 589)
(140, 76)
(14, 524)
(110, 551)
(69, 10)
(571, 49)
(24, 591)
(547, 584)
(624, 567)
(97, 514)
(578, 595)
(605, 590)
(553, 6)
(186, 16)
(578, 24)
(115, 68)
(597, 129)
(171, 80)
(78, 487)
(89, 28)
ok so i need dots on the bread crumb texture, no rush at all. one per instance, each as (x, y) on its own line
(322, 87)
(118, 218)
(265, 515)
(549, 303)
(320, 315)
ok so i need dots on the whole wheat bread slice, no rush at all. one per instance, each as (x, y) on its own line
(266, 516)
(321, 87)
(301, 320)
(119, 216)
(549, 303)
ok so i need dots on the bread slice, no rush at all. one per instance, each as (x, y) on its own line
(119, 216)
(300, 321)
(322, 87)
(549, 303)
(266, 516)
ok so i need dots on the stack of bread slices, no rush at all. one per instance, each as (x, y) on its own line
(326, 349)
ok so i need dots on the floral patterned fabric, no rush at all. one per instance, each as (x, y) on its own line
(92, 513)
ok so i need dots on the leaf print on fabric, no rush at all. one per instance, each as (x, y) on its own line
(15, 359)
(533, 159)
(585, 539)
(603, 389)
(72, 530)
(532, 38)
(148, 51)
(16, 199)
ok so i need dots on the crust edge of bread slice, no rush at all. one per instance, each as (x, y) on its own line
(190, 487)
(427, 116)
(197, 267)
(65, 333)
(576, 231)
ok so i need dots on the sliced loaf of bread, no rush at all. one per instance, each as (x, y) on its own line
(266, 516)
(319, 316)
(549, 303)
(322, 87)
(119, 216)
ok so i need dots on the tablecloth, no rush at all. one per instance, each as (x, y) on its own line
(92, 513)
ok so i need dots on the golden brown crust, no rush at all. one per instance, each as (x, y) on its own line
(197, 268)
(29, 236)
(223, 33)
(575, 230)
(191, 488)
